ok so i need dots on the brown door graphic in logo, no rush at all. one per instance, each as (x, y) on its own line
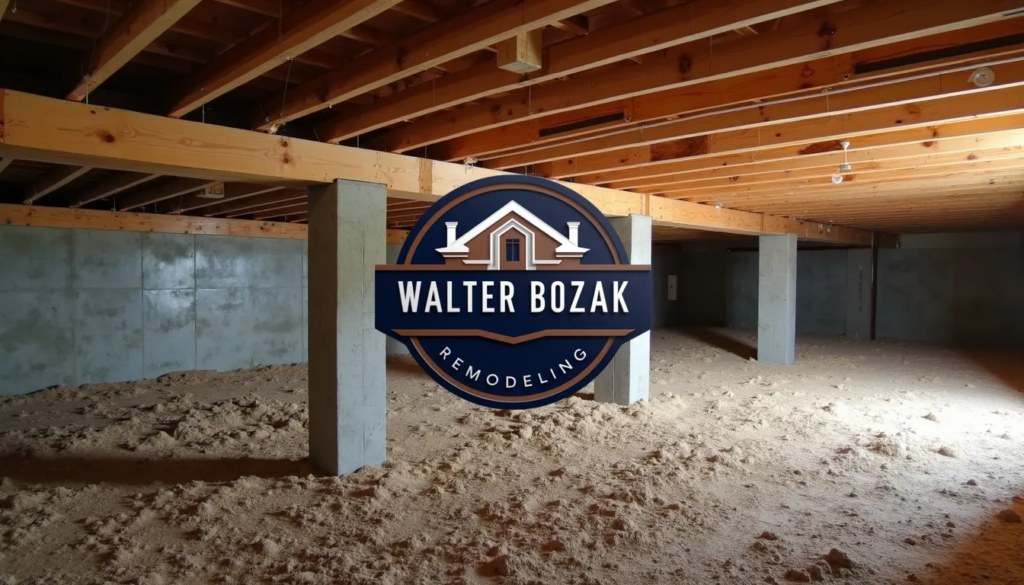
(512, 247)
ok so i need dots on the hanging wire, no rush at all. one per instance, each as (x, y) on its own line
(92, 53)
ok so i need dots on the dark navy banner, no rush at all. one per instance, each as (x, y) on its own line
(513, 292)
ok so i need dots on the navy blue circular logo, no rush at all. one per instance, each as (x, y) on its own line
(513, 292)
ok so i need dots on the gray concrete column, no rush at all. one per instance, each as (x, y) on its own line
(347, 385)
(776, 299)
(859, 279)
(393, 346)
(627, 379)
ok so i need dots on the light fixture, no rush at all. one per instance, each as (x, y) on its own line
(982, 77)
(838, 178)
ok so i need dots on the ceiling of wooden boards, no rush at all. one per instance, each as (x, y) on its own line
(755, 105)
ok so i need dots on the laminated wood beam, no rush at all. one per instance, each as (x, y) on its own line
(55, 131)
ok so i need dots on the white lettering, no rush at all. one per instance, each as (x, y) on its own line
(580, 355)
(451, 309)
(410, 296)
(472, 374)
(599, 299)
(557, 297)
(510, 382)
(456, 364)
(486, 296)
(470, 285)
(617, 295)
(495, 382)
(507, 290)
(541, 379)
(445, 353)
(433, 298)
(527, 383)
(536, 297)
(578, 285)
(565, 366)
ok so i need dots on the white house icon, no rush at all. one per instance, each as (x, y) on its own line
(512, 238)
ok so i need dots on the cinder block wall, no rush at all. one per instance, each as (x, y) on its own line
(948, 288)
(965, 288)
(83, 306)
(718, 288)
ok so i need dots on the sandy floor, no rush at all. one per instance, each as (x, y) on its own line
(906, 459)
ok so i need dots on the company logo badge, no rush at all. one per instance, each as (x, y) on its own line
(513, 292)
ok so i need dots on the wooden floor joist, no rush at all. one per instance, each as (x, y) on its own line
(135, 30)
(301, 31)
(48, 130)
(469, 31)
(870, 26)
(932, 53)
(53, 181)
(645, 34)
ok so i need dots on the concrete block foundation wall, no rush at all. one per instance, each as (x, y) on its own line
(946, 288)
(85, 306)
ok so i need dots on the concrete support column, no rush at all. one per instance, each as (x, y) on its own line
(776, 299)
(393, 346)
(860, 276)
(347, 385)
(627, 379)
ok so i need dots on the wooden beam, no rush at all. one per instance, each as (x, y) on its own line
(282, 212)
(53, 181)
(253, 202)
(1001, 101)
(577, 25)
(165, 190)
(232, 192)
(930, 137)
(855, 156)
(57, 217)
(521, 53)
(870, 26)
(154, 53)
(948, 50)
(912, 92)
(705, 191)
(144, 222)
(642, 35)
(465, 33)
(262, 203)
(420, 9)
(112, 186)
(48, 130)
(301, 31)
(133, 32)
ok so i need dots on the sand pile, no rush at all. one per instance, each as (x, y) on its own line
(850, 467)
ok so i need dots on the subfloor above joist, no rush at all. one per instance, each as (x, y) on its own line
(63, 132)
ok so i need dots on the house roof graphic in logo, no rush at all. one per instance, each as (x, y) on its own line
(512, 238)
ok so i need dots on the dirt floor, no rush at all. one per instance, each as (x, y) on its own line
(868, 463)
